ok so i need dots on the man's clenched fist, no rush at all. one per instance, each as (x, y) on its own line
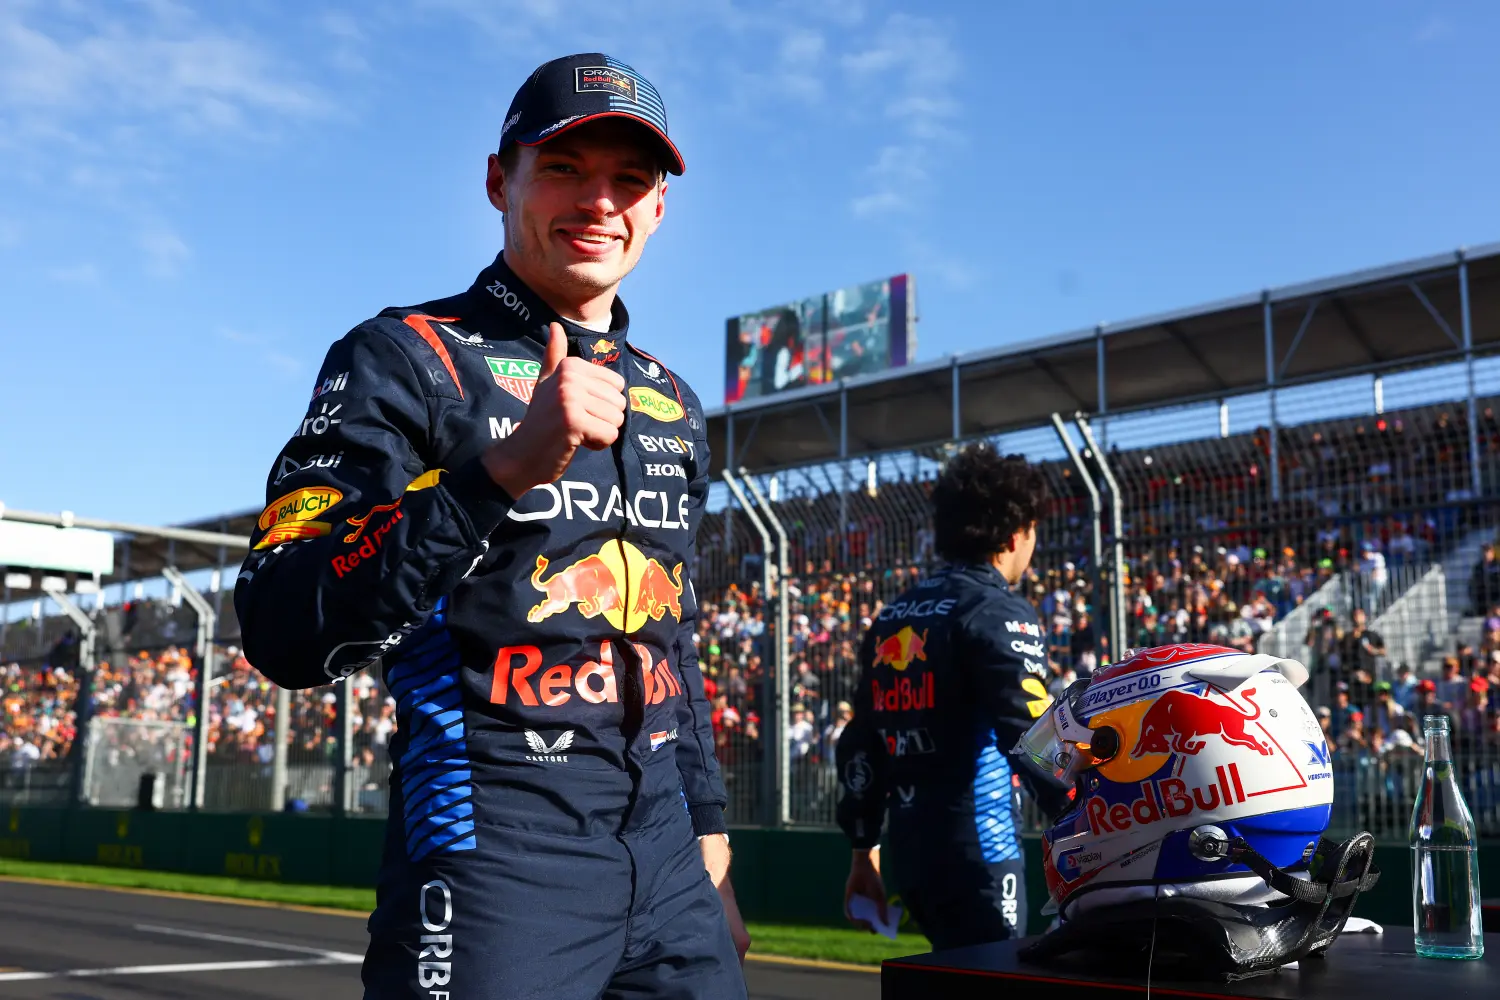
(576, 404)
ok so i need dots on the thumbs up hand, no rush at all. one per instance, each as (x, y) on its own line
(575, 404)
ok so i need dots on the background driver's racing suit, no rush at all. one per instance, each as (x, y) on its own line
(952, 674)
(554, 755)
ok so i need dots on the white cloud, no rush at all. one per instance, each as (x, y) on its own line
(10, 233)
(1433, 29)
(154, 61)
(847, 63)
(915, 63)
(165, 251)
(896, 177)
(111, 97)
(341, 25)
(346, 41)
(265, 350)
(75, 274)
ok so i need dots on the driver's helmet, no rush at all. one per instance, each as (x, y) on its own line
(1198, 773)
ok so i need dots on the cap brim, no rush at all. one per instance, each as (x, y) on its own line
(674, 164)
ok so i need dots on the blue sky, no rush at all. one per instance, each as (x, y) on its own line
(193, 208)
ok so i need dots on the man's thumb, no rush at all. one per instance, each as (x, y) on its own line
(557, 349)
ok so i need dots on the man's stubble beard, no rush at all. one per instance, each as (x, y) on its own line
(560, 280)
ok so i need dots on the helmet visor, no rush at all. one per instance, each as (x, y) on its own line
(1051, 748)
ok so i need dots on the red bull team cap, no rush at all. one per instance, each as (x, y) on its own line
(567, 92)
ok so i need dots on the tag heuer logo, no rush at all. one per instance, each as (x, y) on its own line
(516, 376)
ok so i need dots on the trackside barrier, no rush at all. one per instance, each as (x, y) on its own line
(318, 850)
(783, 876)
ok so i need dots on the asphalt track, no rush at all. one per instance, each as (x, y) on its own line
(66, 942)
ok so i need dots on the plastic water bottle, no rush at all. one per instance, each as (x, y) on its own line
(1444, 857)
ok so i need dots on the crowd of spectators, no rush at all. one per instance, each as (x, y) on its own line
(40, 702)
(1373, 706)
(39, 720)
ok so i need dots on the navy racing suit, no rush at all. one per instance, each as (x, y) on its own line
(553, 758)
(952, 674)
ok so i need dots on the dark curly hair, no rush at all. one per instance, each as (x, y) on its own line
(981, 499)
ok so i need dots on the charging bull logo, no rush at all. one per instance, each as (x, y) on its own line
(901, 649)
(603, 583)
(1178, 721)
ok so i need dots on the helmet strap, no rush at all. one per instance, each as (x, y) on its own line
(1316, 890)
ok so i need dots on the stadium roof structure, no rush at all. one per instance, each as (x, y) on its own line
(143, 551)
(1407, 315)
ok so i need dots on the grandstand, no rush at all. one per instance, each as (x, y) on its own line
(1310, 471)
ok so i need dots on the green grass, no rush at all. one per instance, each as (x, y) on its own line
(334, 897)
(830, 944)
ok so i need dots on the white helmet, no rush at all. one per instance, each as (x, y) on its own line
(1200, 777)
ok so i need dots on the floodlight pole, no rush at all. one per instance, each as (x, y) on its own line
(775, 760)
(1117, 618)
(783, 639)
(207, 624)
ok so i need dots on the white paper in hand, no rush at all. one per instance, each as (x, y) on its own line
(866, 909)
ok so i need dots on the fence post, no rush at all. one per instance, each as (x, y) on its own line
(278, 762)
(843, 471)
(207, 623)
(1117, 556)
(1275, 458)
(775, 758)
(1096, 508)
(1476, 479)
(956, 400)
(83, 705)
(343, 785)
(783, 644)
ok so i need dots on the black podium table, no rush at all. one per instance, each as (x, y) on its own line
(1358, 965)
(1491, 910)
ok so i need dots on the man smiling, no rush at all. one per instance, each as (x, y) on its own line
(496, 496)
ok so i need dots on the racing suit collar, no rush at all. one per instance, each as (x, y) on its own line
(499, 292)
(982, 572)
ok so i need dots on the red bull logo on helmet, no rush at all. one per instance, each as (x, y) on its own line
(617, 583)
(901, 649)
(1179, 721)
(1168, 798)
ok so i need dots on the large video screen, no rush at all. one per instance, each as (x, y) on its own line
(852, 331)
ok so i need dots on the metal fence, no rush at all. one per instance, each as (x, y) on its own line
(1356, 537)
(120, 751)
(144, 718)
(1362, 549)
